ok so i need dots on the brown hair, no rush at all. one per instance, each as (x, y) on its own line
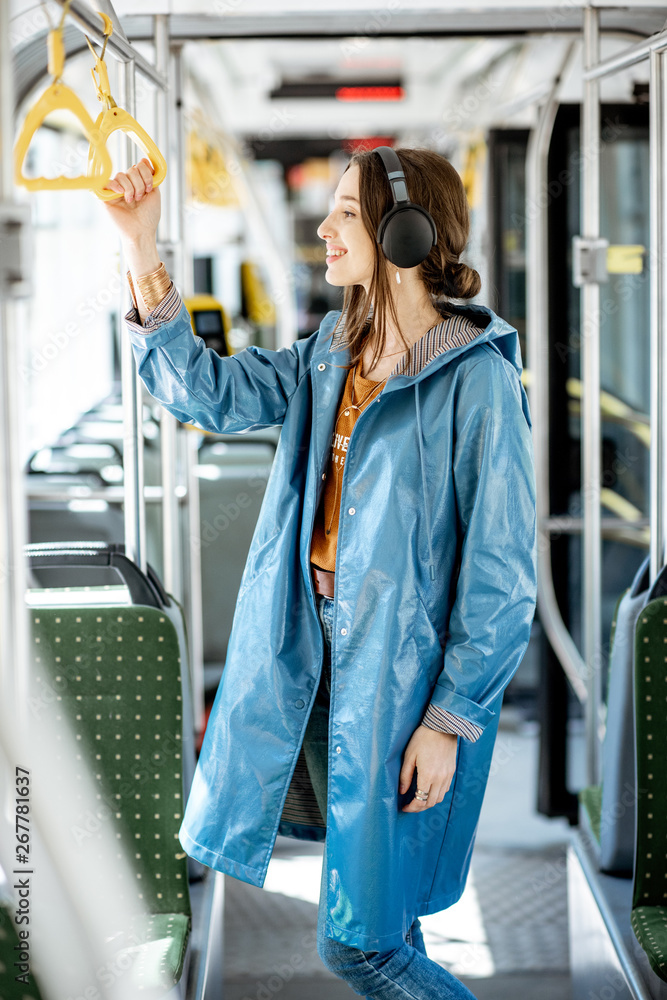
(435, 184)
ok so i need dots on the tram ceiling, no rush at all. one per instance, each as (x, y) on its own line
(273, 49)
(449, 85)
(259, 19)
(440, 77)
(220, 19)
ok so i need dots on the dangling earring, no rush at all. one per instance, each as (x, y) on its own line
(398, 277)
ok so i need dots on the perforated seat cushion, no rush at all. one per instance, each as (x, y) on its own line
(650, 926)
(649, 900)
(116, 677)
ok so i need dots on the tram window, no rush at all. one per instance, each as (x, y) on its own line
(507, 153)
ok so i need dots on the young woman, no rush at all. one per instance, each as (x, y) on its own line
(390, 586)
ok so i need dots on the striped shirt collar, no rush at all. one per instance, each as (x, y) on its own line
(453, 331)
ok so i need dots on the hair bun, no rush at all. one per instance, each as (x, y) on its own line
(461, 281)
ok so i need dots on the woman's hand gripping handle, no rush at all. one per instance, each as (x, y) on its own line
(136, 216)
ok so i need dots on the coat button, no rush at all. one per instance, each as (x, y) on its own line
(352, 510)
(343, 631)
(321, 368)
(324, 475)
(299, 703)
(337, 749)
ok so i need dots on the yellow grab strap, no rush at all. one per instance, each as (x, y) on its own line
(59, 96)
(108, 121)
(113, 118)
(56, 97)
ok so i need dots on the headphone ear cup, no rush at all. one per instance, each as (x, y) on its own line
(407, 233)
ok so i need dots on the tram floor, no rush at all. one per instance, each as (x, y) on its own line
(506, 938)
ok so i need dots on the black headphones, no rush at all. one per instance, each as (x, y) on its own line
(406, 232)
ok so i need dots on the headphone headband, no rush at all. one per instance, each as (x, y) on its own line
(392, 165)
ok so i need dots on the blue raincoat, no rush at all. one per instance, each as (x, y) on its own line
(434, 600)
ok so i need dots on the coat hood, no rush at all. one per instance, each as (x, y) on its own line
(469, 327)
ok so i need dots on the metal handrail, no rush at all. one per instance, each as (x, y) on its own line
(111, 494)
(628, 57)
(591, 465)
(171, 547)
(117, 43)
(188, 442)
(133, 439)
(570, 525)
(538, 357)
(658, 313)
(13, 518)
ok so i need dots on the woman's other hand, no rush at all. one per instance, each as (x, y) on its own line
(137, 214)
(434, 755)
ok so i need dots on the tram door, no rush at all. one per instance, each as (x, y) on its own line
(625, 368)
(624, 357)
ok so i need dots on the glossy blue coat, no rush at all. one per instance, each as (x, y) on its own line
(435, 596)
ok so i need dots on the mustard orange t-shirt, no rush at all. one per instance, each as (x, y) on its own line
(325, 528)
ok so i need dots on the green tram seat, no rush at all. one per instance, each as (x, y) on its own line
(123, 689)
(649, 898)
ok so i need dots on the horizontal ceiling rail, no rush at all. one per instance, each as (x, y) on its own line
(90, 23)
(362, 26)
(628, 57)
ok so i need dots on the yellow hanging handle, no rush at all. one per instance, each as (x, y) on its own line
(56, 97)
(113, 118)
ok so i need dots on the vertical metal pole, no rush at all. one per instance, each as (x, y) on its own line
(193, 535)
(171, 550)
(662, 290)
(537, 362)
(13, 521)
(590, 403)
(133, 431)
(184, 276)
(195, 620)
(658, 335)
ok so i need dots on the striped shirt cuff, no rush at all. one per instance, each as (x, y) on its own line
(166, 310)
(445, 722)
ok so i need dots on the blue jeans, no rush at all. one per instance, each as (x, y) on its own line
(398, 974)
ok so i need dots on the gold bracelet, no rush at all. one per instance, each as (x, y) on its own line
(154, 290)
(154, 286)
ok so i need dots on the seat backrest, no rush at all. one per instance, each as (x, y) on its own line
(617, 817)
(650, 703)
(113, 676)
(230, 499)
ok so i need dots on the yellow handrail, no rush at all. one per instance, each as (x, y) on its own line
(56, 97)
(112, 118)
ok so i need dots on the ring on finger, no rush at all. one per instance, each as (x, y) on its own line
(421, 795)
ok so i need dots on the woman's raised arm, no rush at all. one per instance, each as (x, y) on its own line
(222, 394)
